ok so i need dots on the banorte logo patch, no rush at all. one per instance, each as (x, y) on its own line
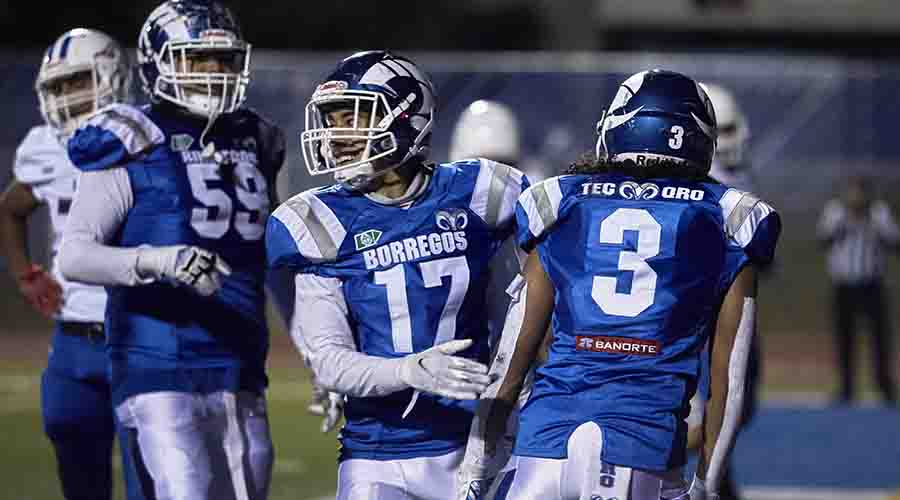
(618, 345)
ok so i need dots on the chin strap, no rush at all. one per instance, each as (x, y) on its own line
(208, 150)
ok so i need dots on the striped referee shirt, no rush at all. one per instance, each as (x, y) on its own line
(857, 248)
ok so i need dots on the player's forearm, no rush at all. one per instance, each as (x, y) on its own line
(355, 374)
(13, 231)
(728, 368)
(17, 203)
(87, 261)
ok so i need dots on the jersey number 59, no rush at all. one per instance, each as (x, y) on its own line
(213, 220)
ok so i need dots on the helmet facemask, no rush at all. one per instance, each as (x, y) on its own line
(70, 94)
(201, 92)
(348, 134)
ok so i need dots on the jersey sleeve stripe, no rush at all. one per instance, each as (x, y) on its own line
(316, 230)
(743, 234)
(510, 195)
(479, 201)
(543, 206)
(333, 228)
(499, 181)
(739, 213)
(292, 221)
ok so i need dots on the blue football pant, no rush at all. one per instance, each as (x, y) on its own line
(78, 418)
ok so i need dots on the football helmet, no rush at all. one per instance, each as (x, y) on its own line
(64, 105)
(388, 108)
(486, 129)
(734, 133)
(179, 33)
(658, 116)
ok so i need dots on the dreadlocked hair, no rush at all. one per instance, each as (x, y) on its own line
(589, 164)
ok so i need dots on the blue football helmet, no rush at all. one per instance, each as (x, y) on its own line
(173, 35)
(389, 106)
(659, 116)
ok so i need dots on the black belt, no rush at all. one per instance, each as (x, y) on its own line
(92, 331)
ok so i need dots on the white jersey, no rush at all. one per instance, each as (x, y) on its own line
(42, 164)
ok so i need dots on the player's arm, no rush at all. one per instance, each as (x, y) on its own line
(104, 197)
(524, 332)
(17, 203)
(325, 336)
(730, 348)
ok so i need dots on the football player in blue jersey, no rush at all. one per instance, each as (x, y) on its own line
(391, 270)
(82, 71)
(634, 260)
(169, 216)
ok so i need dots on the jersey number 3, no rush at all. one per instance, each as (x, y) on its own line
(643, 283)
(213, 220)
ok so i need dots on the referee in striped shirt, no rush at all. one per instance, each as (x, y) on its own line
(858, 231)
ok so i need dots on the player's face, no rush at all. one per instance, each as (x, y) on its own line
(208, 61)
(350, 149)
(71, 85)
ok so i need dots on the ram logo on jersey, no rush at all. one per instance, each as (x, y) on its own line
(419, 247)
(454, 219)
(631, 190)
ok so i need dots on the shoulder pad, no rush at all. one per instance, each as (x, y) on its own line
(113, 136)
(538, 210)
(40, 157)
(312, 230)
(497, 187)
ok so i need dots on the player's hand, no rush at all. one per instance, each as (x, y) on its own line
(438, 371)
(327, 404)
(698, 491)
(199, 269)
(40, 290)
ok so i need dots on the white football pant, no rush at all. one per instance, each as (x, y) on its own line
(583, 476)
(425, 478)
(202, 446)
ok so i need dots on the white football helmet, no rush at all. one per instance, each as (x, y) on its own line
(102, 62)
(487, 129)
(734, 133)
(177, 32)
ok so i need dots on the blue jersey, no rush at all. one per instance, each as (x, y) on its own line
(639, 269)
(162, 337)
(412, 278)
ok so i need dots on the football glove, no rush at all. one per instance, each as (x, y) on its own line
(199, 269)
(439, 372)
(325, 403)
(40, 290)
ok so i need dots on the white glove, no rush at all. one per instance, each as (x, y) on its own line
(199, 269)
(437, 371)
(326, 404)
(698, 491)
